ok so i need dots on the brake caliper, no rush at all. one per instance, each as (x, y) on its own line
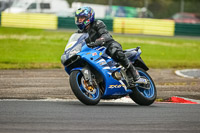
(88, 87)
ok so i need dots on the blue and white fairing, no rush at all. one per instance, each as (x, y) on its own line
(99, 60)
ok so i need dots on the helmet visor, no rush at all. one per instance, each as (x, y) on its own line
(80, 19)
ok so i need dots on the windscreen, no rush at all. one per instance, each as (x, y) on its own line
(74, 39)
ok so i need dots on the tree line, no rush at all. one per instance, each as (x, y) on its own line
(159, 8)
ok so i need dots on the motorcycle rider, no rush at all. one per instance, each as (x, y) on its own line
(99, 36)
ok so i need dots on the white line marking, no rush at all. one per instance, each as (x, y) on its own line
(178, 72)
(121, 100)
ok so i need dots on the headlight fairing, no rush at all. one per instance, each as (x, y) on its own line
(63, 59)
(69, 52)
(73, 52)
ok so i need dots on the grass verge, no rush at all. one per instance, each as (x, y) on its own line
(32, 48)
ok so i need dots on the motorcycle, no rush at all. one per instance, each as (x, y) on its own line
(93, 75)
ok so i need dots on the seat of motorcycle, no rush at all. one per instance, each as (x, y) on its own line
(129, 53)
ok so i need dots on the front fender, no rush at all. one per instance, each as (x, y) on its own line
(77, 69)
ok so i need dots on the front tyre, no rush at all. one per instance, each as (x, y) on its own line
(144, 95)
(88, 96)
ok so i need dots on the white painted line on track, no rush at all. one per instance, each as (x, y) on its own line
(38, 100)
(121, 100)
(33, 78)
(178, 72)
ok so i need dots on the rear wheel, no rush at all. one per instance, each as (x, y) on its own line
(89, 95)
(144, 94)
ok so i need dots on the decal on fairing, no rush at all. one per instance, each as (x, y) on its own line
(106, 67)
(116, 86)
(123, 84)
(98, 58)
(101, 60)
(109, 73)
(101, 48)
(94, 54)
(102, 63)
(71, 44)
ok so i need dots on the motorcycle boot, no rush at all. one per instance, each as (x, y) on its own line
(134, 76)
(115, 51)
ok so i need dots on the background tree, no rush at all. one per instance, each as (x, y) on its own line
(160, 8)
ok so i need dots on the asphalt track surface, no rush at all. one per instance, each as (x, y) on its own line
(54, 83)
(74, 117)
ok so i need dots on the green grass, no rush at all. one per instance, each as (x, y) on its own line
(28, 48)
(166, 52)
(31, 48)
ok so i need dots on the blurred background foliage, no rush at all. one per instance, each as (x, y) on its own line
(160, 8)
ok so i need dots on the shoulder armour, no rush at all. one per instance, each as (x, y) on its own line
(98, 24)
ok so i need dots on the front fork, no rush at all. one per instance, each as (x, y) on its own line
(87, 75)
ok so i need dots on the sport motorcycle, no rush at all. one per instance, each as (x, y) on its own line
(93, 75)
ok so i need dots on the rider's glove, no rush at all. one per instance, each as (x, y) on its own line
(91, 45)
(98, 42)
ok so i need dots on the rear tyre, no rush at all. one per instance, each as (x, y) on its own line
(141, 95)
(86, 96)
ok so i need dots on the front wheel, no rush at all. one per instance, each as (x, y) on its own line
(89, 95)
(144, 95)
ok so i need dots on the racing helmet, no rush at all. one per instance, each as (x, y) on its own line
(84, 16)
